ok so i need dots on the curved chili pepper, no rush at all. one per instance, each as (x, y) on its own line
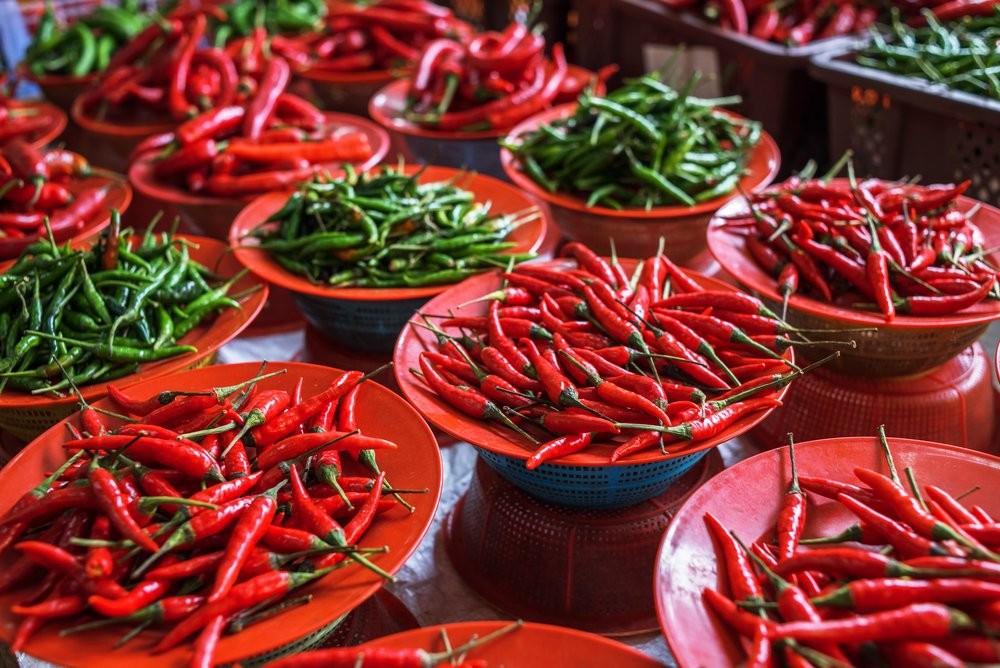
(792, 516)
(272, 84)
(905, 541)
(739, 573)
(286, 422)
(116, 505)
(247, 532)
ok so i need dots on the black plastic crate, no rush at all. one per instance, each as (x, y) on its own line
(773, 80)
(903, 126)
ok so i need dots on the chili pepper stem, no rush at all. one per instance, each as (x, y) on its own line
(128, 637)
(912, 479)
(883, 441)
(437, 657)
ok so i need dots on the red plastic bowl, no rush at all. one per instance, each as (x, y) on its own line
(637, 232)
(212, 216)
(347, 92)
(416, 464)
(907, 345)
(111, 142)
(119, 197)
(26, 415)
(46, 135)
(463, 150)
(531, 646)
(499, 440)
(370, 318)
(746, 498)
(59, 89)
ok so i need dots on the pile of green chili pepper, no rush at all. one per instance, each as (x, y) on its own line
(962, 55)
(84, 46)
(386, 229)
(92, 315)
(644, 145)
(278, 17)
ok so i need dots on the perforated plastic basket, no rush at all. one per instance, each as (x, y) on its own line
(371, 326)
(951, 404)
(597, 487)
(888, 121)
(553, 564)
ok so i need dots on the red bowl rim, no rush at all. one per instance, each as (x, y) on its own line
(55, 79)
(54, 112)
(90, 124)
(251, 307)
(113, 179)
(140, 172)
(722, 244)
(499, 442)
(765, 149)
(260, 263)
(382, 107)
(587, 641)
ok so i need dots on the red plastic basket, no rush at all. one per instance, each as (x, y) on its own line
(370, 319)
(905, 346)
(952, 404)
(636, 232)
(556, 565)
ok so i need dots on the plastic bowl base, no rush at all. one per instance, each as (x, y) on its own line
(550, 564)
(950, 404)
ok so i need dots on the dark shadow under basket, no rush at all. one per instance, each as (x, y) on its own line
(366, 325)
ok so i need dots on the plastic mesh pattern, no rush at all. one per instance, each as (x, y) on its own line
(594, 487)
(951, 404)
(551, 564)
(371, 326)
(303, 644)
(884, 351)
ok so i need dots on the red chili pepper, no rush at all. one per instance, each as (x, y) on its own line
(918, 621)
(180, 67)
(242, 596)
(224, 185)
(116, 505)
(188, 458)
(208, 639)
(272, 85)
(558, 447)
(286, 422)
(904, 540)
(247, 532)
(886, 593)
(792, 516)
(908, 509)
(203, 525)
(295, 446)
(146, 592)
(739, 573)
(741, 621)
(192, 156)
(54, 503)
(951, 505)
(945, 305)
(53, 607)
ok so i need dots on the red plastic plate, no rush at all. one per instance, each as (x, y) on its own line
(487, 435)
(415, 465)
(531, 646)
(727, 245)
(207, 337)
(503, 197)
(746, 499)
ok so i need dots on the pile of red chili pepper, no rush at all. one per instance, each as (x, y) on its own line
(196, 512)
(914, 582)
(592, 355)
(799, 22)
(276, 140)
(491, 82)
(34, 188)
(167, 72)
(18, 119)
(383, 35)
(890, 246)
